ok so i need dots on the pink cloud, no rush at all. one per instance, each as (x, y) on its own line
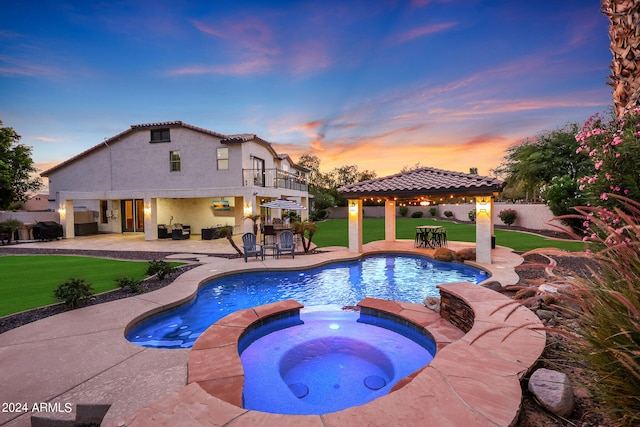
(17, 67)
(421, 31)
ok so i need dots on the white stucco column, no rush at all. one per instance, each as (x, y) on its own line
(390, 221)
(304, 214)
(150, 219)
(354, 209)
(249, 208)
(67, 218)
(484, 229)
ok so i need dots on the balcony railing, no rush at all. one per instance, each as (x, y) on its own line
(274, 178)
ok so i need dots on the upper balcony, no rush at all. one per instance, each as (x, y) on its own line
(274, 178)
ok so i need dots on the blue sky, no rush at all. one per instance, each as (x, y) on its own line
(380, 84)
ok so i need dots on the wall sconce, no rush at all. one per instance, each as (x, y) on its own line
(353, 207)
(247, 209)
(484, 203)
(147, 210)
(62, 211)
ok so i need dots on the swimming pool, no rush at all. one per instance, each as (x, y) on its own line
(407, 278)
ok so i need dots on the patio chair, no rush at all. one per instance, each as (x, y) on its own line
(286, 244)
(250, 246)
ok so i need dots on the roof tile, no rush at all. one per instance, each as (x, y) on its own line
(424, 181)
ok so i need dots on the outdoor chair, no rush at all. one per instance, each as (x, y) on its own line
(250, 246)
(286, 244)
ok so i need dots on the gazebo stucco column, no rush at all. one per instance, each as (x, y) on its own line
(150, 218)
(390, 221)
(354, 210)
(484, 229)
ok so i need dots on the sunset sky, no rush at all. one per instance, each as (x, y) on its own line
(380, 84)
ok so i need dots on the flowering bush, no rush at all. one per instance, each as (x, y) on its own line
(508, 216)
(614, 148)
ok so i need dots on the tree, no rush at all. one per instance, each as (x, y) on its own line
(625, 47)
(533, 164)
(16, 167)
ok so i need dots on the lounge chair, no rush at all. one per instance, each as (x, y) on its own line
(250, 246)
(286, 244)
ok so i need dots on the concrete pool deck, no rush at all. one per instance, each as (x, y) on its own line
(82, 357)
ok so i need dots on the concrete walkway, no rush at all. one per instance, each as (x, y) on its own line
(82, 356)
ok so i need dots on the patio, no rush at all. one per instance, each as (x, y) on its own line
(82, 356)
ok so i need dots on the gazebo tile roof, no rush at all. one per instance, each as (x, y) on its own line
(426, 181)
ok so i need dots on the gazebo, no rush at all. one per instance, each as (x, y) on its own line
(424, 184)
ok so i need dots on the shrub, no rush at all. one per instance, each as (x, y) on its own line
(609, 314)
(472, 215)
(448, 214)
(131, 284)
(73, 293)
(508, 216)
(160, 268)
(433, 210)
(404, 210)
(318, 215)
(417, 214)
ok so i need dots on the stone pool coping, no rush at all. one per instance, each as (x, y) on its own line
(474, 379)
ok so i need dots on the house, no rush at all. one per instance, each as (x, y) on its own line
(174, 173)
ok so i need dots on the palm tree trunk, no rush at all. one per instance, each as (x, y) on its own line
(624, 36)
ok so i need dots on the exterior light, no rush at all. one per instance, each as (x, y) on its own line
(485, 204)
(247, 209)
(353, 207)
(62, 210)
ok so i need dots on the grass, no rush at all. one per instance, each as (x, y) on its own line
(28, 282)
(334, 233)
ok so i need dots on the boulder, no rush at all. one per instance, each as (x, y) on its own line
(444, 254)
(432, 303)
(467, 254)
(553, 390)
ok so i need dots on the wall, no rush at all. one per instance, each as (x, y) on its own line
(197, 213)
(531, 216)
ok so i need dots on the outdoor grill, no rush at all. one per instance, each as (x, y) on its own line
(47, 230)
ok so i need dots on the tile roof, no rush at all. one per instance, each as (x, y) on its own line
(424, 181)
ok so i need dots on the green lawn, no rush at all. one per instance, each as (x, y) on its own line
(333, 232)
(29, 281)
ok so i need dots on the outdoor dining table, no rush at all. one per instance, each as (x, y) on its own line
(430, 235)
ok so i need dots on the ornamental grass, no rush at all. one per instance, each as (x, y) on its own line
(609, 315)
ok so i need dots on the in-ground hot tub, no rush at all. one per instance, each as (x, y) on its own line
(325, 361)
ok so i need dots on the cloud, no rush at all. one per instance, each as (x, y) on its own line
(421, 32)
(11, 66)
(45, 139)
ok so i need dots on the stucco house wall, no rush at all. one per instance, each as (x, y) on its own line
(130, 166)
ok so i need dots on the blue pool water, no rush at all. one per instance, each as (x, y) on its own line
(326, 361)
(394, 277)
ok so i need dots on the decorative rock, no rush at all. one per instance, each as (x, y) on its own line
(546, 314)
(493, 285)
(553, 390)
(547, 288)
(444, 254)
(467, 254)
(432, 303)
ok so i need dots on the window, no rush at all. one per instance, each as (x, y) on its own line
(160, 135)
(222, 158)
(174, 161)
